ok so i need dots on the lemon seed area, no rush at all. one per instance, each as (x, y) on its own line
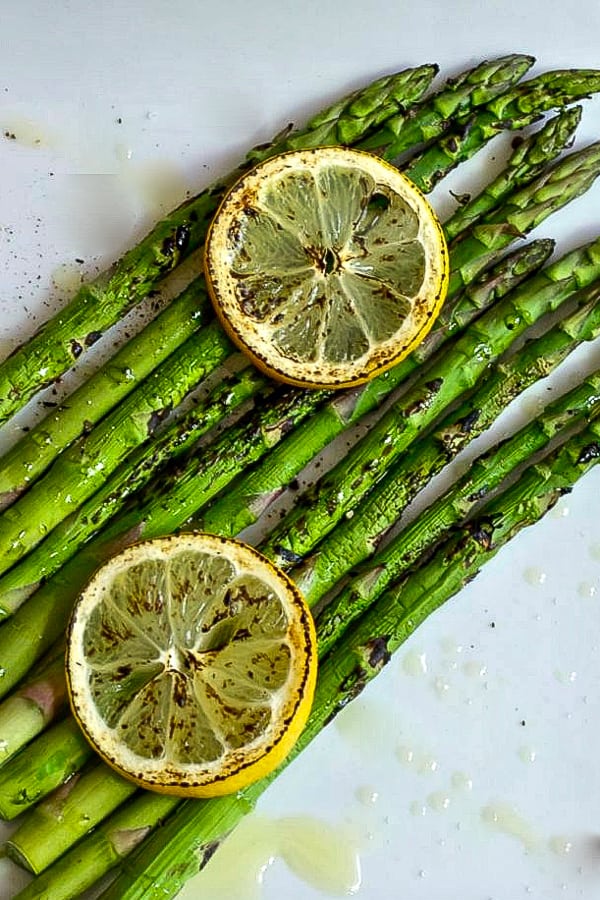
(187, 657)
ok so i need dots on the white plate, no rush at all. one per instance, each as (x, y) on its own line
(469, 768)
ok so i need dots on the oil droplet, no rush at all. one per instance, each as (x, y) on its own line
(123, 152)
(534, 576)
(560, 511)
(158, 184)
(318, 853)
(461, 781)
(439, 801)
(406, 755)
(527, 755)
(586, 589)
(427, 764)
(474, 669)
(441, 687)
(415, 663)
(360, 724)
(417, 809)
(565, 677)
(507, 820)
(450, 646)
(560, 845)
(367, 795)
(594, 551)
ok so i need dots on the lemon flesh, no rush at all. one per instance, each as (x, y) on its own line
(326, 266)
(191, 664)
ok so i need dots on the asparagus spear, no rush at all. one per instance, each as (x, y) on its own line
(472, 251)
(468, 492)
(189, 836)
(99, 304)
(349, 119)
(82, 468)
(131, 475)
(31, 455)
(54, 825)
(428, 167)
(110, 842)
(514, 108)
(429, 120)
(41, 699)
(52, 758)
(451, 374)
(528, 160)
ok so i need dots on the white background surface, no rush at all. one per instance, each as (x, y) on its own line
(172, 93)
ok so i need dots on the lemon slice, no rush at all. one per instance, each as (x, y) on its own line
(326, 266)
(191, 664)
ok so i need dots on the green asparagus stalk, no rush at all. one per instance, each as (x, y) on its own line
(460, 95)
(526, 209)
(24, 578)
(49, 761)
(349, 119)
(54, 825)
(107, 845)
(100, 303)
(171, 856)
(451, 374)
(427, 168)
(403, 552)
(244, 502)
(26, 713)
(513, 109)
(529, 158)
(34, 452)
(83, 467)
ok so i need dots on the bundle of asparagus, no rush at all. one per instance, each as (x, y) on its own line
(347, 516)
